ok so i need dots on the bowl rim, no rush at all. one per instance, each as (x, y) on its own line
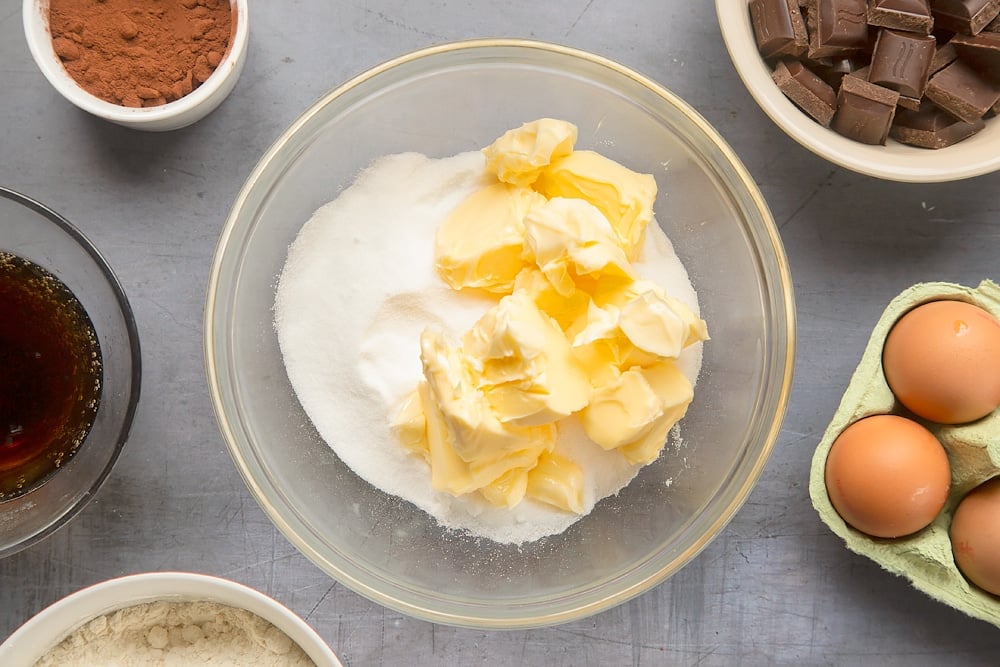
(135, 353)
(73, 611)
(910, 165)
(782, 292)
(35, 25)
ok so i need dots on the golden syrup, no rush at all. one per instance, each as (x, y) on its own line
(50, 375)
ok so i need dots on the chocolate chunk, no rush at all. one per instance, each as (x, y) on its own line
(943, 56)
(778, 27)
(832, 70)
(902, 62)
(931, 127)
(805, 89)
(862, 72)
(837, 27)
(968, 17)
(908, 15)
(959, 90)
(911, 103)
(981, 51)
(864, 111)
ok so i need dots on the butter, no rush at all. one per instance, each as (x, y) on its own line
(573, 332)
(557, 481)
(565, 310)
(508, 489)
(660, 324)
(519, 156)
(490, 258)
(469, 446)
(624, 197)
(569, 239)
(526, 366)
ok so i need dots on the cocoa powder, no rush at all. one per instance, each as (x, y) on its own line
(140, 53)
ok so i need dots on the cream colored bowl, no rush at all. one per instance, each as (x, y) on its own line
(54, 623)
(895, 161)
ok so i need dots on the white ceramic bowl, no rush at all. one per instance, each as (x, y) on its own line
(895, 161)
(54, 623)
(174, 115)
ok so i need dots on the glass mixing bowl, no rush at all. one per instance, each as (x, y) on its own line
(38, 234)
(459, 97)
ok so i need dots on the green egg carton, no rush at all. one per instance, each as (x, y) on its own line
(924, 558)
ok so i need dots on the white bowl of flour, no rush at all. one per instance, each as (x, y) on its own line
(166, 618)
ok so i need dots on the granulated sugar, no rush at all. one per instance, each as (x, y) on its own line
(175, 634)
(357, 289)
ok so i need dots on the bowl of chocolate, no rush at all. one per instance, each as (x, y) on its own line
(142, 64)
(70, 353)
(904, 90)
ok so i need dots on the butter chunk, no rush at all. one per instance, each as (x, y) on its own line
(660, 324)
(410, 424)
(557, 481)
(469, 447)
(570, 238)
(507, 490)
(621, 412)
(527, 368)
(520, 154)
(675, 392)
(479, 245)
(625, 197)
(643, 402)
(565, 310)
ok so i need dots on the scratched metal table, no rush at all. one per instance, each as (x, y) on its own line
(775, 588)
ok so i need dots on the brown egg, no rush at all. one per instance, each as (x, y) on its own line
(942, 361)
(887, 476)
(975, 536)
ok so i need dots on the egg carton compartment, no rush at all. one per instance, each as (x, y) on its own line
(924, 558)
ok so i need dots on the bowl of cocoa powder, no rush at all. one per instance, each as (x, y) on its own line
(143, 64)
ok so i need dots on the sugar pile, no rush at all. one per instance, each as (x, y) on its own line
(357, 289)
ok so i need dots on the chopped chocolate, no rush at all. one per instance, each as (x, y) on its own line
(832, 70)
(809, 92)
(837, 27)
(862, 72)
(931, 127)
(981, 51)
(943, 56)
(864, 111)
(959, 90)
(902, 62)
(908, 15)
(968, 17)
(933, 63)
(779, 28)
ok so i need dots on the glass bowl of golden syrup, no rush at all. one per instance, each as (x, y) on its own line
(70, 352)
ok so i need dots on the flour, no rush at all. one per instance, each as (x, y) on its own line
(177, 634)
(357, 289)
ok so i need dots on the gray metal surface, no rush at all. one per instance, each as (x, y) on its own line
(776, 588)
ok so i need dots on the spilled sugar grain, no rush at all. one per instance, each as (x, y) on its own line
(357, 289)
